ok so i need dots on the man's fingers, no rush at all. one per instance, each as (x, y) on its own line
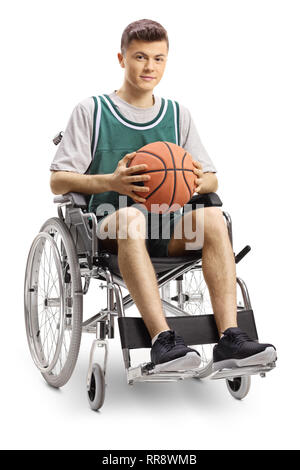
(132, 179)
(140, 188)
(128, 157)
(137, 198)
(135, 168)
(197, 164)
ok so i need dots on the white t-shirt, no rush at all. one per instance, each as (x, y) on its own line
(74, 151)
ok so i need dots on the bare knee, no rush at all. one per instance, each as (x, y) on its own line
(131, 223)
(205, 218)
(213, 216)
(214, 222)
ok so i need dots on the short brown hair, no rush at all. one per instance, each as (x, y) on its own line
(143, 30)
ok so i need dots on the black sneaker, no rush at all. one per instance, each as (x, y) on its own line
(169, 353)
(236, 349)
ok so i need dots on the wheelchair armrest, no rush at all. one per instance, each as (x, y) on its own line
(208, 200)
(76, 199)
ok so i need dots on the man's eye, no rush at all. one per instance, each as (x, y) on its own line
(160, 59)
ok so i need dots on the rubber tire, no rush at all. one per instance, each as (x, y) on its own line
(96, 394)
(239, 386)
(67, 370)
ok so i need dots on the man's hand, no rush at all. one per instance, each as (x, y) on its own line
(199, 173)
(122, 179)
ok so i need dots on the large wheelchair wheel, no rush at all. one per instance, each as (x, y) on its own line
(53, 302)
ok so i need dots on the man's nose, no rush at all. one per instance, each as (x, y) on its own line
(149, 65)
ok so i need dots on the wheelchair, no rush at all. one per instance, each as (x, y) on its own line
(63, 259)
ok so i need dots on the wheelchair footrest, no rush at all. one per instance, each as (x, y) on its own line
(242, 371)
(144, 373)
(141, 373)
(196, 329)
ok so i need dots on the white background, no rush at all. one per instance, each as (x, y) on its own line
(235, 65)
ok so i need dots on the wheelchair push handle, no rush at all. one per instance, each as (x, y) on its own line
(57, 139)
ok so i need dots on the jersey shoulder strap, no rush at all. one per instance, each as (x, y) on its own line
(96, 124)
(176, 121)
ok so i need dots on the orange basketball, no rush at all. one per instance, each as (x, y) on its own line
(172, 179)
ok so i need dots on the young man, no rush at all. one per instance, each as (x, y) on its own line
(101, 137)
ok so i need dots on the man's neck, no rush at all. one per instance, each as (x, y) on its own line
(141, 100)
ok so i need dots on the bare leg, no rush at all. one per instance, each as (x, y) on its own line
(219, 271)
(137, 270)
(139, 275)
(217, 263)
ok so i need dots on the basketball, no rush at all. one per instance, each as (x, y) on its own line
(172, 179)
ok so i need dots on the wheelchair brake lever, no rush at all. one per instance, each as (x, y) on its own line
(242, 253)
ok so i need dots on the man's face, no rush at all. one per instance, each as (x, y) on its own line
(144, 59)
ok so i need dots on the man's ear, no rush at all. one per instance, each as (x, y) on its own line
(121, 60)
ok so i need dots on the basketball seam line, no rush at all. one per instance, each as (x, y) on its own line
(174, 184)
(166, 169)
(184, 175)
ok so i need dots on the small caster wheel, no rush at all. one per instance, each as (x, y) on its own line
(96, 393)
(239, 386)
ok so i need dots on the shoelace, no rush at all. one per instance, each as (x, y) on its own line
(168, 340)
(238, 337)
(171, 340)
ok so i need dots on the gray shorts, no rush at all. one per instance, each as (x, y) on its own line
(160, 228)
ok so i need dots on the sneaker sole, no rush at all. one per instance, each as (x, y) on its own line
(190, 361)
(265, 357)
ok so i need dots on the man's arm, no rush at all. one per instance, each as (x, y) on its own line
(62, 182)
(73, 157)
(121, 180)
(205, 170)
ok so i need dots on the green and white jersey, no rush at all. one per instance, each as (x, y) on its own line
(114, 136)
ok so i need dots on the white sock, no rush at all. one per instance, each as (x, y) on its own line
(156, 336)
